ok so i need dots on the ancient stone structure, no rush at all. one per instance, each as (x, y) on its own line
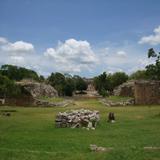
(125, 89)
(110, 103)
(31, 95)
(77, 119)
(24, 100)
(147, 92)
(143, 91)
(38, 89)
(90, 92)
(2, 101)
(95, 148)
(40, 102)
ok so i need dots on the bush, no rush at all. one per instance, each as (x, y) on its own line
(104, 93)
(8, 88)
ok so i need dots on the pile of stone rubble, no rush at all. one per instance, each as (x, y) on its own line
(40, 102)
(77, 118)
(110, 103)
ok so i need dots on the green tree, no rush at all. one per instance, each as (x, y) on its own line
(102, 83)
(57, 80)
(8, 88)
(80, 83)
(69, 87)
(118, 78)
(138, 75)
(153, 70)
(41, 78)
(18, 73)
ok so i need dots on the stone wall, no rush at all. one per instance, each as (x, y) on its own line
(126, 89)
(31, 91)
(21, 101)
(147, 92)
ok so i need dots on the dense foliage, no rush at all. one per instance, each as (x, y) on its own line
(139, 75)
(8, 88)
(105, 83)
(153, 70)
(66, 84)
(57, 80)
(80, 83)
(18, 73)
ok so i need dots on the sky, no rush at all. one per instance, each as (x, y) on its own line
(84, 37)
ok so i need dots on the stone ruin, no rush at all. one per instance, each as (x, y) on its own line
(111, 103)
(77, 118)
(147, 92)
(37, 89)
(32, 93)
(126, 89)
(95, 148)
(143, 91)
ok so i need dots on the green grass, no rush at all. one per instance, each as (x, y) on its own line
(118, 98)
(53, 99)
(29, 134)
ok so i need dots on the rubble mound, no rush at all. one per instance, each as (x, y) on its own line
(77, 119)
(95, 148)
(110, 103)
(37, 89)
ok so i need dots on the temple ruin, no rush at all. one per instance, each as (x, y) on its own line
(147, 92)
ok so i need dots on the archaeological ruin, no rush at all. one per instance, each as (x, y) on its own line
(143, 91)
(77, 119)
(147, 92)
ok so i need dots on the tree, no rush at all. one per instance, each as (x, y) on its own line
(18, 73)
(153, 70)
(101, 83)
(57, 80)
(140, 74)
(69, 87)
(80, 83)
(105, 83)
(118, 78)
(8, 88)
(41, 78)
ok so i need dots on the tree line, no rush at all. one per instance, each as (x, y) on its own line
(66, 84)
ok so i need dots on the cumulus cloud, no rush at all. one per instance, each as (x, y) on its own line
(121, 54)
(153, 39)
(3, 40)
(18, 47)
(16, 53)
(72, 55)
(16, 60)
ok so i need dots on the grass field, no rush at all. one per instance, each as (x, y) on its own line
(54, 99)
(29, 134)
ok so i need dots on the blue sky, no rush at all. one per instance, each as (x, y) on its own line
(83, 37)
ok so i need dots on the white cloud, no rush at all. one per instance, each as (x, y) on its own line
(17, 53)
(72, 56)
(17, 59)
(18, 47)
(113, 70)
(151, 39)
(3, 40)
(121, 54)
